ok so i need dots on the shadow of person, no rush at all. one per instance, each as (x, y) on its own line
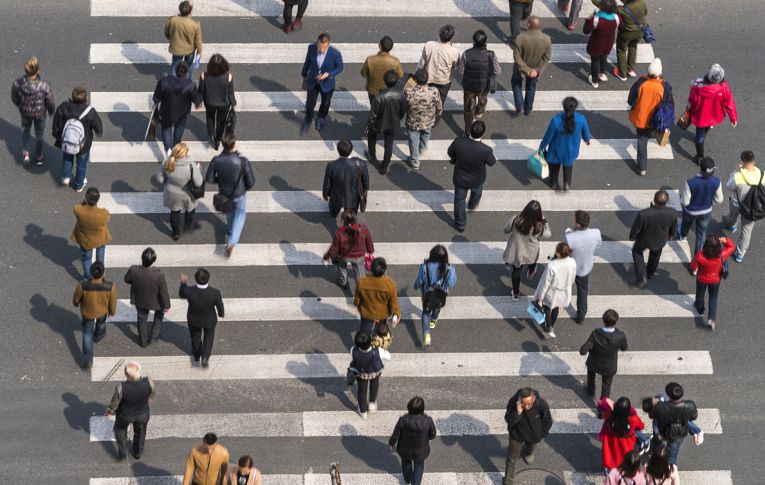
(424, 194)
(329, 316)
(57, 249)
(78, 413)
(324, 218)
(11, 135)
(144, 61)
(322, 386)
(374, 453)
(160, 222)
(60, 320)
(463, 429)
(141, 469)
(541, 361)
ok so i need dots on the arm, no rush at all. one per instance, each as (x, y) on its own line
(423, 57)
(419, 282)
(337, 68)
(633, 95)
(490, 159)
(196, 98)
(113, 301)
(219, 306)
(452, 152)
(231, 92)
(496, 68)
(636, 227)
(198, 39)
(546, 57)
(624, 345)
(370, 244)
(544, 284)
(167, 28)
(585, 131)
(334, 248)
(188, 474)
(196, 175)
(685, 195)
(673, 228)
(393, 308)
(731, 184)
(509, 226)
(548, 136)
(439, 105)
(719, 198)
(182, 291)
(327, 186)
(50, 105)
(164, 295)
(98, 127)
(202, 87)
(546, 232)
(511, 414)
(588, 345)
(129, 276)
(16, 93)
(365, 68)
(519, 62)
(373, 112)
(210, 174)
(249, 175)
(399, 70)
(306, 64)
(364, 177)
(730, 105)
(695, 262)
(452, 278)
(547, 420)
(461, 64)
(115, 402)
(77, 298)
(728, 249)
(58, 123)
(357, 297)
(432, 431)
(157, 93)
(396, 435)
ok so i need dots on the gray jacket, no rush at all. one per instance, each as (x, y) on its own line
(177, 195)
(522, 248)
(554, 289)
(584, 242)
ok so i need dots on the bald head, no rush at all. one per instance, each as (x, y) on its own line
(534, 22)
(133, 371)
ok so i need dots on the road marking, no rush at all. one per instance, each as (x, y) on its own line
(471, 422)
(294, 53)
(420, 365)
(706, 477)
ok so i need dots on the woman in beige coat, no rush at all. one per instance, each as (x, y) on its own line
(554, 289)
(176, 173)
(525, 230)
(244, 474)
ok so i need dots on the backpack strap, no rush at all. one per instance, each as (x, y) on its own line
(85, 113)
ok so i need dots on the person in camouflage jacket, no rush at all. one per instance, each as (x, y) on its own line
(424, 111)
(34, 98)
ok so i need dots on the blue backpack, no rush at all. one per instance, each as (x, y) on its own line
(664, 116)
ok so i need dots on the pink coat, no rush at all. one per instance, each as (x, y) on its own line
(709, 103)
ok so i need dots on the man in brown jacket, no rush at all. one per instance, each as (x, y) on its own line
(207, 463)
(377, 65)
(91, 230)
(185, 36)
(377, 298)
(96, 298)
(532, 51)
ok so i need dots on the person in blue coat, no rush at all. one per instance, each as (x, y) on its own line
(435, 272)
(322, 65)
(561, 142)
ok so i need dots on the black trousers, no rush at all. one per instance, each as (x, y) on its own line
(443, 90)
(513, 453)
(175, 220)
(568, 174)
(582, 290)
(598, 65)
(367, 386)
(518, 12)
(310, 102)
(216, 123)
(387, 143)
(551, 316)
(121, 424)
(605, 383)
(148, 333)
(641, 271)
(515, 276)
(201, 341)
(287, 12)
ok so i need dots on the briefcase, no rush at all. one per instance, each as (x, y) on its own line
(662, 137)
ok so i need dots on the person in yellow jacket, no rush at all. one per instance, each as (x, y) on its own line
(645, 96)
(185, 36)
(207, 463)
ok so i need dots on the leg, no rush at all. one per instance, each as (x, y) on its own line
(388, 147)
(424, 139)
(685, 225)
(156, 327)
(87, 261)
(302, 6)
(334, 207)
(632, 45)
(714, 291)
(701, 136)
(460, 215)
(702, 224)
(419, 470)
(143, 327)
(342, 273)
(591, 382)
(372, 145)
(196, 341)
(120, 436)
(568, 175)
(220, 124)
(573, 15)
(746, 236)
(210, 113)
(67, 166)
(326, 99)
(175, 223)
(175, 60)
(554, 171)
(139, 434)
(674, 450)
(362, 395)
(642, 148)
(653, 261)
(39, 134)
(374, 387)
(553, 316)
(287, 14)
(531, 91)
(513, 453)
(425, 323)
(87, 341)
(603, 64)
(237, 223)
(413, 138)
(730, 219)
(516, 13)
(594, 68)
(481, 99)
(621, 53)
(101, 254)
(701, 289)
(516, 81)
(475, 197)
(188, 220)
(310, 103)
(516, 277)
(178, 129)
(167, 135)
(366, 326)
(100, 330)
(406, 469)
(582, 289)
(207, 342)
(469, 108)
(26, 139)
(693, 428)
(605, 385)
(639, 262)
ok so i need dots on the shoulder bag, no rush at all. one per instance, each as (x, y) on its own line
(197, 192)
(685, 120)
(224, 203)
(435, 296)
(646, 30)
(360, 188)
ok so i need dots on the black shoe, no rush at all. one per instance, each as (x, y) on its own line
(120, 456)
(304, 127)
(176, 235)
(640, 284)
(320, 122)
(136, 455)
(459, 229)
(205, 362)
(579, 320)
(384, 168)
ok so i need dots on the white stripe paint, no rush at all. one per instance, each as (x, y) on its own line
(310, 254)
(307, 309)
(326, 150)
(267, 202)
(706, 477)
(294, 53)
(471, 422)
(353, 101)
(324, 8)
(419, 365)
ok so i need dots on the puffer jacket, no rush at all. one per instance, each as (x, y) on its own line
(709, 103)
(33, 97)
(424, 107)
(68, 110)
(346, 246)
(388, 109)
(709, 269)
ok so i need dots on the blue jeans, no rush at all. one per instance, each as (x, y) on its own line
(673, 445)
(701, 135)
(88, 336)
(701, 223)
(26, 139)
(412, 470)
(177, 60)
(82, 168)
(173, 133)
(701, 288)
(235, 219)
(427, 317)
(516, 82)
(460, 194)
(87, 259)
(418, 140)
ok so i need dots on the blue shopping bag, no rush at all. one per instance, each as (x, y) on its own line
(536, 313)
(537, 165)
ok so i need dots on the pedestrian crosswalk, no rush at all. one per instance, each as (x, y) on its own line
(270, 373)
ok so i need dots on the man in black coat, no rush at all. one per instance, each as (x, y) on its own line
(470, 158)
(203, 302)
(385, 115)
(343, 188)
(603, 347)
(148, 292)
(130, 404)
(528, 422)
(671, 418)
(651, 230)
(174, 95)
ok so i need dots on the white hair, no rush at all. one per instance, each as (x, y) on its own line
(133, 370)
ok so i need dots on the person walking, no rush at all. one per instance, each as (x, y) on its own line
(434, 280)
(205, 306)
(672, 419)
(207, 463)
(148, 292)
(627, 473)
(651, 230)
(709, 100)
(439, 59)
(424, 109)
(368, 366)
(697, 197)
(562, 141)
(470, 157)
(376, 298)
(351, 243)
(571, 9)
(644, 99)
(97, 299)
(525, 230)
(176, 175)
(244, 472)
(411, 439)
(174, 96)
(385, 115)
(709, 265)
(628, 37)
(289, 5)
(584, 242)
(602, 350)
(744, 178)
(528, 421)
(130, 407)
(479, 68)
(554, 288)
(346, 180)
(216, 87)
(532, 52)
(323, 63)
(659, 470)
(73, 126)
(519, 10)
(620, 423)
(376, 66)
(91, 231)
(33, 96)
(185, 36)
(601, 26)
(234, 176)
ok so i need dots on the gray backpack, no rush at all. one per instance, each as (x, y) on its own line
(73, 134)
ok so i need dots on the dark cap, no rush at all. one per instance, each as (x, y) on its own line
(707, 165)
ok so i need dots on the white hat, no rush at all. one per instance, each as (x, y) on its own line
(655, 69)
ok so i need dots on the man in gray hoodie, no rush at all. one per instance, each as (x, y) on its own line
(584, 241)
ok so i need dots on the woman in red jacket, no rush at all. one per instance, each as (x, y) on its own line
(708, 266)
(602, 27)
(709, 101)
(350, 244)
(620, 422)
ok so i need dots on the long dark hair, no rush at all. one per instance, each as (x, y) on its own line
(630, 465)
(531, 219)
(712, 249)
(569, 106)
(439, 254)
(619, 420)
(658, 465)
(217, 65)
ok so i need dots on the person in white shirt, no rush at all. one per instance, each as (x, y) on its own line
(584, 242)
(440, 60)
(554, 289)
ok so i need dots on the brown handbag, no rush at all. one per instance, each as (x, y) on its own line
(684, 121)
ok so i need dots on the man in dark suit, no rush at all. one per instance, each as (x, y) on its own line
(130, 404)
(341, 184)
(387, 110)
(603, 347)
(651, 230)
(148, 292)
(173, 97)
(203, 301)
(470, 158)
(322, 64)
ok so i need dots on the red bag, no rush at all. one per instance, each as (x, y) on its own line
(368, 261)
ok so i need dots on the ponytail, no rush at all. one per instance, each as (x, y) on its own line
(178, 152)
(569, 106)
(170, 164)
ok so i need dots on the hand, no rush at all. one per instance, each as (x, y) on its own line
(108, 413)
(184, 279)
(533, 73)
(394, 319)
(723, 239)
(324, 262)
(734, 123)
(166, 310)
(519, 407)
(610, 402)
(392, 448)
(588, 143)
(326, 199)
(322, 76)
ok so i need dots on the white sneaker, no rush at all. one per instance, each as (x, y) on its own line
(711, 325)
(372, 407)
(66, 181)
(550, 334)
(386, 355)
(84, 184)
(602, 76)
(593, 82)
(698, 438)
(362, 415)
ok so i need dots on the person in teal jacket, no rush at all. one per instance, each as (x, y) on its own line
(561, 142)
(435, 271)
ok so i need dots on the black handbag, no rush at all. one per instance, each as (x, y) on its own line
(350, 375)
(230, 123)
(197, 192)
(435, 296)
(224, 203)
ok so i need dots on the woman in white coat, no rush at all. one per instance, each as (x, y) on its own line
(554, 289)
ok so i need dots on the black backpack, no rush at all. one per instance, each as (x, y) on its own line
(678, 425)
(752, 207)
(435, 296)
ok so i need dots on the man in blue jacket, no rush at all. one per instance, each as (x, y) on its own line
(322, 64)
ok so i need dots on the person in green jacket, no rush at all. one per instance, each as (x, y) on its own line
(628, 37)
